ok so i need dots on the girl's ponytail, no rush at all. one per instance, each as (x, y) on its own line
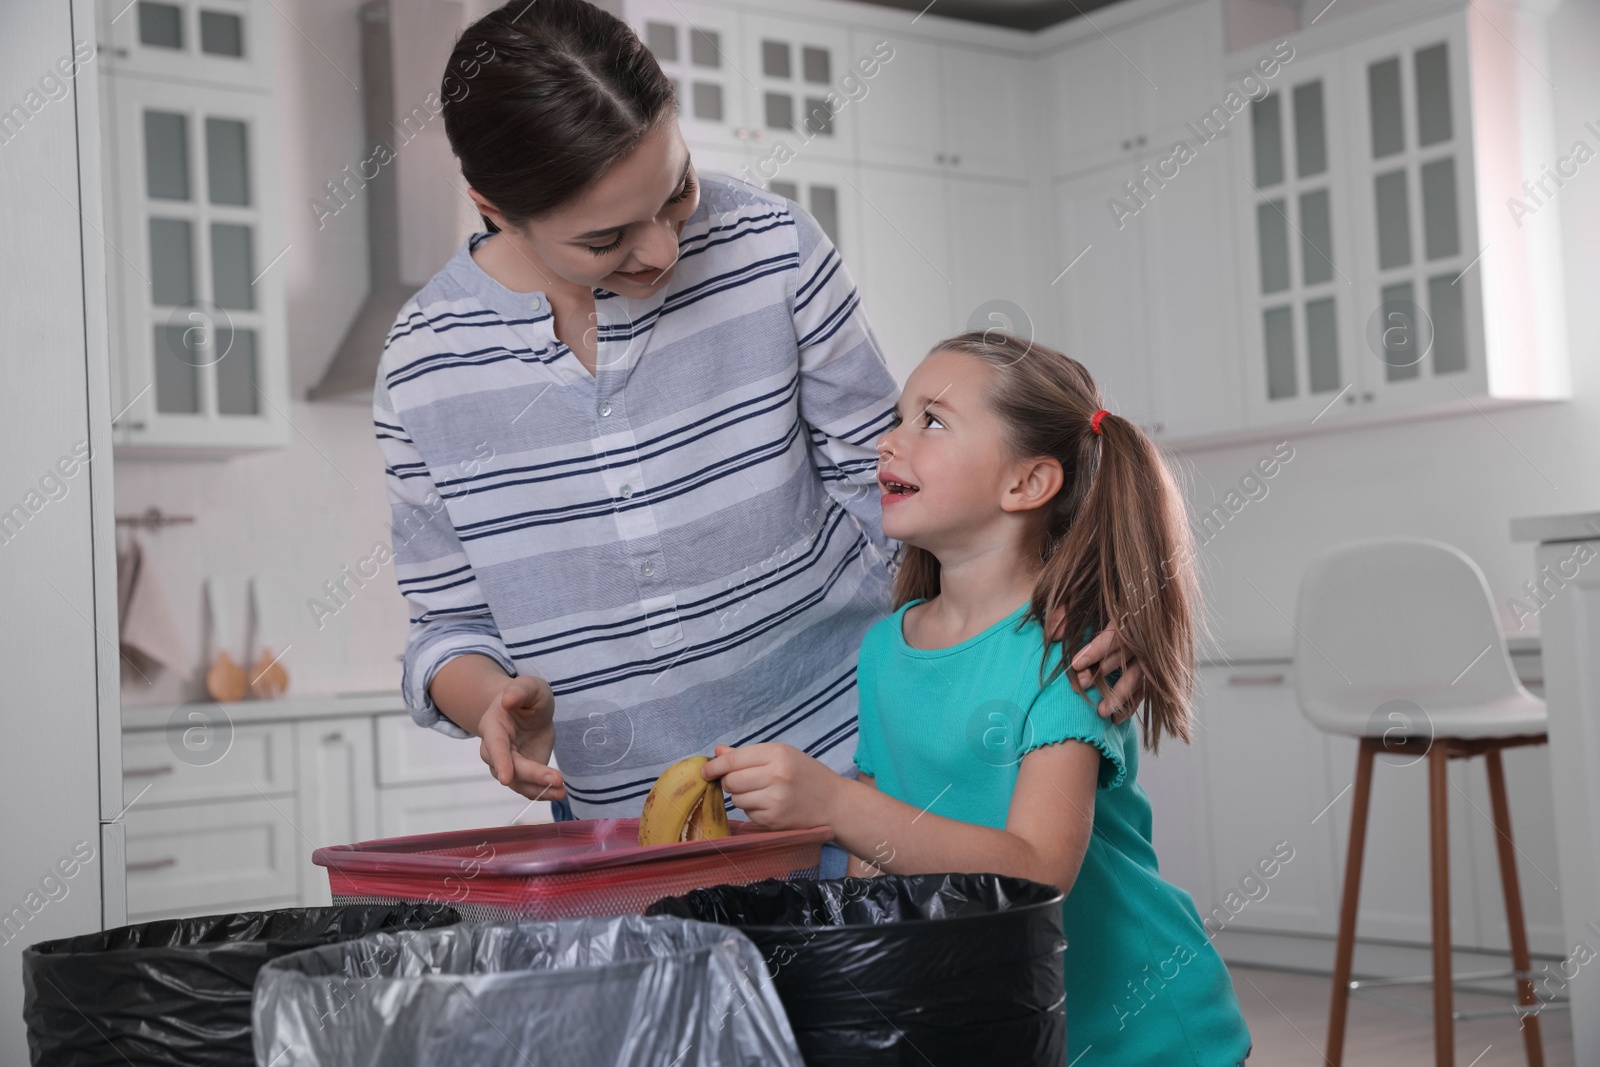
(1114, 540)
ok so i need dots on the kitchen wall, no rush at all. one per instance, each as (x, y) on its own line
(297, 517)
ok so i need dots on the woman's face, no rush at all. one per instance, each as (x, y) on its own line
(621, 233)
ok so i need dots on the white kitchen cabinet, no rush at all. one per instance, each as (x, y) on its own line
(988, 110)
(1391, 156)
(337, 802)
(793, 69)
(830, 192)
(194, 218)
(233, 828)
(896, 126)
(904, 264)
(1267, 784)
(200, 859)
(1132, 88)
(699, 47)
(990, 261)
(1099, 291)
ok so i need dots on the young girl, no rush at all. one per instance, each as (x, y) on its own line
(1018, 499)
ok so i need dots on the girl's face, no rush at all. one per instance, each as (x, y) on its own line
(621, 233)
(943, 470)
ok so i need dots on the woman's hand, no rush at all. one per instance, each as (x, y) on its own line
(518, 732)
(1105, 649)
(777, 785)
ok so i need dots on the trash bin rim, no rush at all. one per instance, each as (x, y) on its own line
(1057, 899)
(56, 948)
(286, 964)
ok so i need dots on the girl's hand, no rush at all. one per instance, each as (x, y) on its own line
(1106, 649)
(776, 785)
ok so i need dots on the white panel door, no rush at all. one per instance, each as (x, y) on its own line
(1099, 293)
(337, 795)
(990, 262)
(989, 112)
(895, 122)
(905, 272)
(1091, 106)
(1196, 376)
(1268, 791)
(700, 47)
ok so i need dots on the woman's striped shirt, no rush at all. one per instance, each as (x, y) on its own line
(688, 543)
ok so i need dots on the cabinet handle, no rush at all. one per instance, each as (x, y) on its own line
(334, 738)
(1366, 397)
(938, 157)
(956, 160)
(1126, 144)
(1255, 679)
(153, 865)
(135, 425)
(1139, 140)
(146, 772)
(1350, 398)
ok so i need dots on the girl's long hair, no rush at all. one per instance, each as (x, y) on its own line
(541, 98)
(1115, 540)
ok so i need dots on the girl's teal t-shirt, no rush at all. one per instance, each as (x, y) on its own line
(946, 729)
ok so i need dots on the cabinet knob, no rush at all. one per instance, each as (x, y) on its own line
(1255, 679)
(146, 772)
(939, 157)
(152, 865)
(334, 738)
(1366, 397)
(741, 133)
(1139, 140)
(1350, 398)
(1126, 144)
(956, 160)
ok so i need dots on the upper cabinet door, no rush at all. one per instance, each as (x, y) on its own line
(797, 76)
(700, 48)
(989, 113)
(1090, 101)
(226, 42)
(197, 240)
(1299, 323)
(904, 264)
(1413, 192)
(895, 122)
(829, 191)
(1099, 288)
(992, 227)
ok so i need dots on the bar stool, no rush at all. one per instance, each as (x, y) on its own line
(1408, 619)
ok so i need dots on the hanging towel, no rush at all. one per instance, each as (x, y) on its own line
(148, 632)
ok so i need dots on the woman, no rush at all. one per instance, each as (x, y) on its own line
(629, 435)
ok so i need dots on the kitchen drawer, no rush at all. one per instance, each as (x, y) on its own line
(258, 759)
(200, 858)
(433, 809)
(409, 754)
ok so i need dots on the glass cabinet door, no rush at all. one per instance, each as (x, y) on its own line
(217, 41)
(699, 48)
(797, 76)
(1297, 278)
(198, 241)
(1413, 194)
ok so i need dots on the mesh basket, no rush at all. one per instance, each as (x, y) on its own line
(561, 870)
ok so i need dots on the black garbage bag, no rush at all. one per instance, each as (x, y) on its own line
(952, 969)
(178, 991)
(599, 991)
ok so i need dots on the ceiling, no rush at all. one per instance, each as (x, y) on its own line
(1016, 14)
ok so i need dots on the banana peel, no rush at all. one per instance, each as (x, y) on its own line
(683, 806)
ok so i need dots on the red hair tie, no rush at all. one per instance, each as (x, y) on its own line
(1094, 420)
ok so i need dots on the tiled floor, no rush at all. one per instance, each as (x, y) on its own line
(1288, 1017)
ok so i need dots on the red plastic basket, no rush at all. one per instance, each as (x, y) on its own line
(561, 870)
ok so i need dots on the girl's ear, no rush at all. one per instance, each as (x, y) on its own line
(1038, 481)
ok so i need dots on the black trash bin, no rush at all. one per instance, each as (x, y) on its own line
(952, 969)
(178, 991)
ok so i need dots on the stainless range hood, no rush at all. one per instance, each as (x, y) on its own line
(417, 211)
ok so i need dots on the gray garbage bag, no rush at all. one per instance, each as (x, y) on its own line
(599, 991)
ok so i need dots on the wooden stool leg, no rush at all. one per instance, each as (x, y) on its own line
(1444, 1052)
(1344, 954)
(1501, 809)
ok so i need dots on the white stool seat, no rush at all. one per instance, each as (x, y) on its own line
(1398, 636)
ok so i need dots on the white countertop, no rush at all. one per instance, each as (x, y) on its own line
(316, 706)
(1576, 526)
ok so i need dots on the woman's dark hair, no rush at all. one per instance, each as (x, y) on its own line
(558, 91)
(1115, 539)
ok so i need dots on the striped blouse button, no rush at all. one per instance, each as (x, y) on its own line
(648, 569)
(626, 491)
(605, 407)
